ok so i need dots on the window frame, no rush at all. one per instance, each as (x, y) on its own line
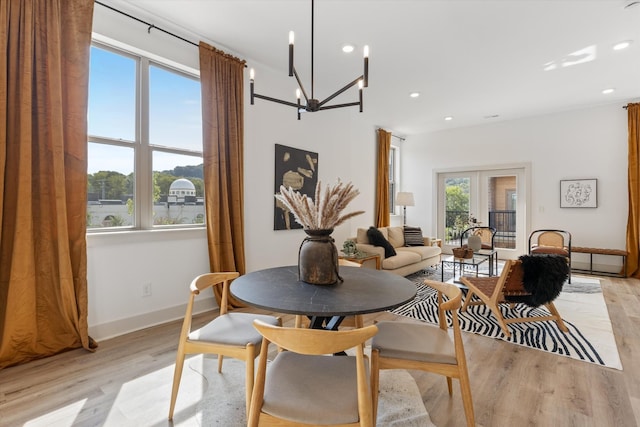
(143, 150)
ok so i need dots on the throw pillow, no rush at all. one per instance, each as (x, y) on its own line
(377, 239)
(413, 236)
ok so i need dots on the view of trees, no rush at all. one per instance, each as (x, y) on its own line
(112, 185)
(457, 206)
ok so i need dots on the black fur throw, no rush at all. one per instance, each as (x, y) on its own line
(377, 239)
(543, 277)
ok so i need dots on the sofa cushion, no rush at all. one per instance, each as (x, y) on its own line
(413, 236)
(402, 259)
(361, 236)
(396, 236)
(377, 239)
(423, 251)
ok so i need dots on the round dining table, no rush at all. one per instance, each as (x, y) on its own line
(362, 291)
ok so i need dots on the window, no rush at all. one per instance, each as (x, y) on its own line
(393, 179)
(144, 145)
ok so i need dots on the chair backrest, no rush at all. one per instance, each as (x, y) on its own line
(453, 303)
(512, 285)
(314, 341)
(486, 234)
(208, 280)
(550, 238)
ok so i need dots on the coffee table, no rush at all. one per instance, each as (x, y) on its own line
(462, 265)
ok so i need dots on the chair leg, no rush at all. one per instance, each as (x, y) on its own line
(220, 358)
(467, 402)
(450, 386)
(374, 367)
(467, 300)
(554, 311)
(496, 312)
(177, 376)
(249, 377)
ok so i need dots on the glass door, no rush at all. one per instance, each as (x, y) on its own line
(494, 198)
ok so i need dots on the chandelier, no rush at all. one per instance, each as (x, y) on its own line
(311, 103)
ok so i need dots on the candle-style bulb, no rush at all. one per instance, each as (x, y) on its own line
(291, 37)
(366, 51)
(252, 74)
(298, 94)
(360, 84)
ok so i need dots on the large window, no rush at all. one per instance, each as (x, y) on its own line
(145, 144)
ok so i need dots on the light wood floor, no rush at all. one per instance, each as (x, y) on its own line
(511, 385)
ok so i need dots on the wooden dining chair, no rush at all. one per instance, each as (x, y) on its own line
(416, 345)
(229, 334)
(551, 242)
(305, 385)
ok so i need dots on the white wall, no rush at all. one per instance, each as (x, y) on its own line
(588, 143)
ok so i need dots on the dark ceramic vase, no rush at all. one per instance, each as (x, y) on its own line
(318, 258)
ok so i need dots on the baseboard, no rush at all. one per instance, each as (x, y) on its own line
(119, 327)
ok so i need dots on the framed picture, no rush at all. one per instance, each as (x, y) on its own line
(579, 193)
(297, 169)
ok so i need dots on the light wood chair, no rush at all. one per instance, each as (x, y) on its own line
(305, 386)
(551, 242)
(356, 321)
(507, 288)
(229, 334)
(487, 236)
(404, 345)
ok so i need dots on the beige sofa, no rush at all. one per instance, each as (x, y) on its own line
(408, 259)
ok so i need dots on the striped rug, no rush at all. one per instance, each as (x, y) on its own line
(581, 305)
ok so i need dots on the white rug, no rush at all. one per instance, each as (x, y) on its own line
(222, 402)
(581, 305)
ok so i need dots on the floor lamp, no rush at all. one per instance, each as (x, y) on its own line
(405, 199)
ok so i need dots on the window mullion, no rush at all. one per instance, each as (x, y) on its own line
(143, 156)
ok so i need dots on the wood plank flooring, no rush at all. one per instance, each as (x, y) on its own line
(128, 380)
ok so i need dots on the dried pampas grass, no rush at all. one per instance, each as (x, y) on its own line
(324, 213)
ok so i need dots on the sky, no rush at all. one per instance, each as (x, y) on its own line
(174, 112)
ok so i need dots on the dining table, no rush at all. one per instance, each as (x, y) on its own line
(361, 291)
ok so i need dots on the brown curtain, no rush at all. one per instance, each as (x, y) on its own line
(633, 223)
(382, 179)
(44, 66)
(222, 81)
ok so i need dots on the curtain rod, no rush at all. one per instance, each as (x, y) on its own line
(399, 137)
(146, 23)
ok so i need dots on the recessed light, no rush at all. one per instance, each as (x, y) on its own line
(448, 118)
(414, 94)
(348, 48)
(608, 91)
(622, 45)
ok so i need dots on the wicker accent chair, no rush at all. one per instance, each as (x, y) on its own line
(487, 236)
(229, 334)
(304, 386)
(553, 242)
(417, 345)
(508, 288)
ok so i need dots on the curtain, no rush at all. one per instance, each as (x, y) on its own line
(633, 222)
(44, 56)
(222, 81)
(382, 179)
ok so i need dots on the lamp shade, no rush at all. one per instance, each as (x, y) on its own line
(405, 199)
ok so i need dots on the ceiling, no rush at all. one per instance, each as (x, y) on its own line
(475, 60)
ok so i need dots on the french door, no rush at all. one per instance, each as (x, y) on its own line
(494, 197)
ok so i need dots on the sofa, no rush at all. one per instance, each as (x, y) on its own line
(408, 259)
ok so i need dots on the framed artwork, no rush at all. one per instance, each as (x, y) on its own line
(579, 193)
(297, 169)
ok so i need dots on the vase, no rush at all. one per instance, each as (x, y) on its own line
(318, 258)
(474, 242)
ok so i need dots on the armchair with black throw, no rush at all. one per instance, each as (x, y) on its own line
(549, 241)
(533, 280)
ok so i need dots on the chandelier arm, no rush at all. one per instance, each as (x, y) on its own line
(279, 101)
(300, 85)
(345, 88)
(330, 107)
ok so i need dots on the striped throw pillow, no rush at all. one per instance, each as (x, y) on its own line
(413, 236)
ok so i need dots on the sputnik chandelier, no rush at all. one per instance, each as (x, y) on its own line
(311, 103)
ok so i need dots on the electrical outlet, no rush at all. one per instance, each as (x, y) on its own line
(146, 290)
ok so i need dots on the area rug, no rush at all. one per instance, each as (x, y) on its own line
(581, 305)
(222, 403)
